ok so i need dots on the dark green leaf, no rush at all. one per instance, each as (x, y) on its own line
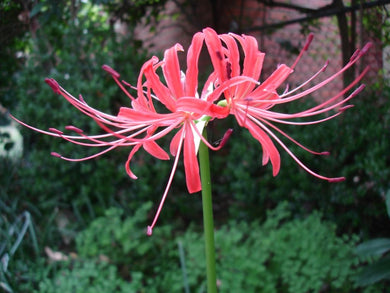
(36, 9)
(373, 247)
(375, 272)
(388, 202)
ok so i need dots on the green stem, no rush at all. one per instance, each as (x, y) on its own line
(208, 221)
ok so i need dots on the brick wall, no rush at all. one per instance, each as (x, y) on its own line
(280, 45)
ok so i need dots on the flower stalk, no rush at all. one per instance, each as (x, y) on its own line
(208, 221)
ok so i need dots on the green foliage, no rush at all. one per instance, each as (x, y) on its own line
(116, 235)
(121, 240)
(132, 11)
(281, 255)
(54, 186)
(12, 42)
(378, 270)
(88, 277)
(63, 197)
(277, 256)
(12, 235)
(377, 24)
(379, 248)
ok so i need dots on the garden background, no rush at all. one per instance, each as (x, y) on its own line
(81, 227)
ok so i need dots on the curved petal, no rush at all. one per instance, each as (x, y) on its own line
(127, 165)
(193, 105)
(253, 63)
(274, 81)
(171, 70)
(191, 83)
(253, 60)
(175, 142)
(232, 53)
(191, 165)
(227, 85)
(269, 149)
(141, 99)
(201, 108)
(132, 115)
(162, 92)
(219, 112)
(215, 49)
(155, 150)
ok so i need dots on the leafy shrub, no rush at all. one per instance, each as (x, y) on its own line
(14, 246)
(64, 197)
(79, 191)
(280, 255)
(120, 237)
(88, 277)
(376, 251)
(131, 257)
(284, 254)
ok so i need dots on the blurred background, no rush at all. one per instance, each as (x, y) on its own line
(80, 227)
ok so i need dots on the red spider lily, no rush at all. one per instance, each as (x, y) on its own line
(252, 104)
(189, 111)
(141, 125)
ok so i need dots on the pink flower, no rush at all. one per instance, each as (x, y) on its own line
(252, 102)
(141, 125)
(188, 111)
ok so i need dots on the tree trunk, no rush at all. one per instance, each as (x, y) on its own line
(347, 46)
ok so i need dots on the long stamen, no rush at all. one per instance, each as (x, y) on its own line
(223, 140)
(80, 104)
(282, 100)
(85, 158)
(304, 49)
(299, 162)
(287, 93)
(313, 111)
(115, 75)
(74, 139)
(271, 117)
(292, 139)
(125, 141)
(150, 228)
(319, 109)
(150, 138)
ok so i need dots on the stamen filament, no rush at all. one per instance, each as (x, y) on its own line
(150, 228)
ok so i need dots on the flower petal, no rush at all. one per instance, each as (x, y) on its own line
(162, 92)
(175, 142)
(193, 105)
(131, 115)
(215, 49)
(127, 165)
(274, 81)
(171, 70)
(191, 83)
(229, 85)
(155, 150)
(191, 165)
(253, 63)
(232, 53)
(269, 149)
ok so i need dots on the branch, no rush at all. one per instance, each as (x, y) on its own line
(272, 3)
(321, 12)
